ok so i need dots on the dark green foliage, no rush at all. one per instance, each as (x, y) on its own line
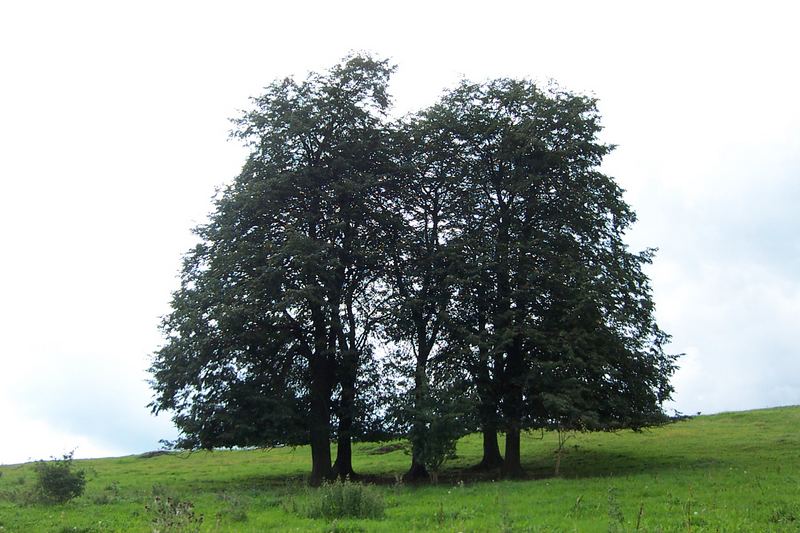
(428, 195)
(57, 482)
(270, 329)
(436, 422)
(464, 268)
(554, 315)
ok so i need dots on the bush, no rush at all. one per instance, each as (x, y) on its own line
(437, 425)
(344, 500)
(171, 515)
(56, 482)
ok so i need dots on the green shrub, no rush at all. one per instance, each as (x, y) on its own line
(436, 425)
(56, 482)
(343, 500)
(171, 515)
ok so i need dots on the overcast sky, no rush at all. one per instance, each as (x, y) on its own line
(113, 137)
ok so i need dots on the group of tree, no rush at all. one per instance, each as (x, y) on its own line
(460, 269)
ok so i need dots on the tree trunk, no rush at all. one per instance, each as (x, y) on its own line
(321, 372)
(320, 421)
(343, 467)
(417, 472)
(512, 466)
(491, 451)
(487, 410)
(320, 457)
(348, 375)
(512, 406)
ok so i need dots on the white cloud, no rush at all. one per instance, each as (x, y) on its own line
(38, 440)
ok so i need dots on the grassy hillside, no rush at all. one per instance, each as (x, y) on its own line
(726, 472)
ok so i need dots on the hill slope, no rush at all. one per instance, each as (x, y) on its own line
(726, 472)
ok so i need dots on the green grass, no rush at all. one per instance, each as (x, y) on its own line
(726, 472)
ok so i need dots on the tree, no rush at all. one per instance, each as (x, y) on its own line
(427, 196)
(558, 310)
(273, 318)
(477, 236)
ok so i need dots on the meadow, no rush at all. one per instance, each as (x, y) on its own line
(725, 472)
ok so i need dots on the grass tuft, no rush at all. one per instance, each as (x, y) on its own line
(342, 499)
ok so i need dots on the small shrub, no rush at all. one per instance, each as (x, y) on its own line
(343, 500)
(437, 426)
(56, 482)
(171, 515)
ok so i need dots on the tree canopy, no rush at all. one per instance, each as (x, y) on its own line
(462, 268)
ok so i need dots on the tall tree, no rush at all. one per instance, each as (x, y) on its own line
(428, 194)
(478, 234)
(531, 160)
(278, 301)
